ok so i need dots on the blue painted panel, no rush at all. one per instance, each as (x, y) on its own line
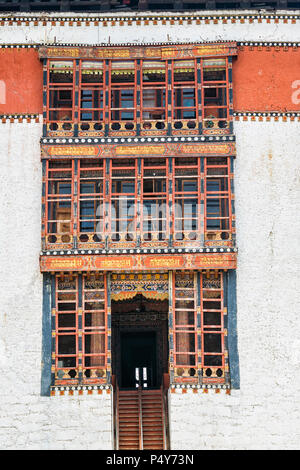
(46, 337)
(232, 331)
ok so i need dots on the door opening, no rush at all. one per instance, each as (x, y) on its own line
(139, 342)
(140, 373)
(138, 360)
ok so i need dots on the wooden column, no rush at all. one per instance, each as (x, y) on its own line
(171, 326)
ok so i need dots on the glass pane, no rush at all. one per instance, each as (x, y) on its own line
(94, 319)
(66, 344)
(94, 343)
(61, 71)
(212, 342)
(154, 71)
(213, 360)
(67, 320)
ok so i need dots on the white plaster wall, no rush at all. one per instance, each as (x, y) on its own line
(27, 420)
(97, 34)
(265, 412)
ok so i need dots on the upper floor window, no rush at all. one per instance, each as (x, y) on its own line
(60, 94)
(91, 95)
(138, 202)
(143, 97)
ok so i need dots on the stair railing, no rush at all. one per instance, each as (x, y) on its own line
(141, 443)
(117, 416)
(163, 410)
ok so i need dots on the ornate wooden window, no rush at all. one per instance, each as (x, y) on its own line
(154, 95)
(185, 323)
(218, 223)
(154, 200)
(184, 94)
(66, 328)
(94, 326)
(59, 202)
(215, 100)
(186, 199)
(123, 196)
(91, 201)
(212, 312)
(147, 201)
(61, 90)
(199, 348)
(80, 331)
(137, 96)
(122, 95)
(91, 97)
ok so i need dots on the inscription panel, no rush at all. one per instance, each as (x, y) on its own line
(137, 262)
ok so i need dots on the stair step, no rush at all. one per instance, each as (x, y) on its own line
(124, 428)
(128, 432)
(128, 410)
(152, 420)
(152, 429)
(129, 418)
(154, 440)
(151, 406)
(129, 447)
(128, 403)
(156, 429)
(128, 400)
(130, 426)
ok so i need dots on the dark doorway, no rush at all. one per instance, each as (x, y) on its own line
(140, 372)
(139, 342)
(138, 360)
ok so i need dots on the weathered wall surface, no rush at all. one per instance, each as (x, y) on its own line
(264, 413)
(264, 79)
(28, 420)
(257, 77)
(156, 27)
(22, 73)
(267, 79)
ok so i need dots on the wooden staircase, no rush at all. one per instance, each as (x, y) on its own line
(140, 419)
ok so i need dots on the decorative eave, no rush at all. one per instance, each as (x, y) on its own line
(20, 118)
(266, 116)
(147, 51)
(150, 18)
(153, 148)
(84, 390)
(252, 46)
(45, 141)
(78, 390)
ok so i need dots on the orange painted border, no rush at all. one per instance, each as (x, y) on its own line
(21, 74)
(137, 262)
(178, 51)
(134, 150)
(266, 79)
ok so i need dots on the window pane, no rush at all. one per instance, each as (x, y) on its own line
(66, 344)
(212, 342)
